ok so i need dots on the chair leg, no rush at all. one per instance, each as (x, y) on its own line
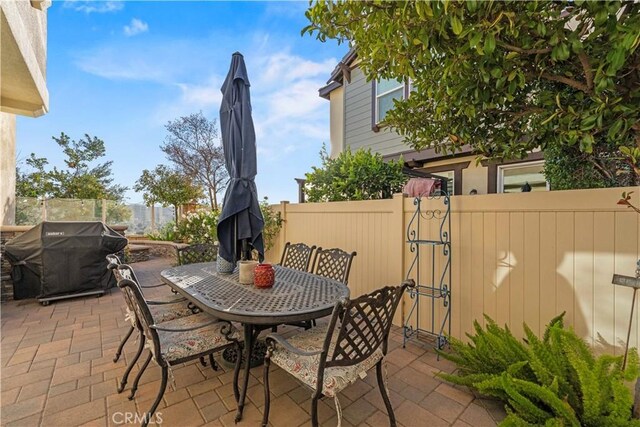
(314, 409)
(134, 388)
(122, 343)
(213, 363)
(123, 382)
(203, 362)
(163, 387)
(385, 396)
(267, 393)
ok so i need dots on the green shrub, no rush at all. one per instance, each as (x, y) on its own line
(362, 175)
(272, 223)
(199, 227)
(553, 381)
(168, 233)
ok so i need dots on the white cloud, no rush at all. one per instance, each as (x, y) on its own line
(285, 67)
(161, 61)
(136, 26)
(288, 114)
(95, 6)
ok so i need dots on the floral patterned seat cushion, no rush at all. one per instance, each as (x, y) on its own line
(305, 368)
(163, 313)
(179, 345)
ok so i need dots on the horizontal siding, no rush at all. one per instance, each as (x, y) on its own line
(358, 133)
(519, 258)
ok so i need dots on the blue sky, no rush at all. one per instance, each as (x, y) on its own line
(120, 70)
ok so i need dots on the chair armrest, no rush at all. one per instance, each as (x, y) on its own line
(175, 301)
(159, 285)
(276, 338)
(193, 328)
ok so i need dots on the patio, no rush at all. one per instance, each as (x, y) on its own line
(57, 370)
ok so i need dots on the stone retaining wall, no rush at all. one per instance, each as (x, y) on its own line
(6, 284)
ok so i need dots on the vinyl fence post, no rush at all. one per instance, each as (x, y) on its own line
(104, 211)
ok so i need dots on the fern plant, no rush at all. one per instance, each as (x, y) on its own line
(550, 381)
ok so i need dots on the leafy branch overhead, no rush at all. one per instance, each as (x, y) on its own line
(503, 77)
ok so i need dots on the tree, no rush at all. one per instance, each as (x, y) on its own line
(79, 180)
(194, 147)
(167, 187)
(35, 183)
(354, 176)
(504, 77)
(568, 168)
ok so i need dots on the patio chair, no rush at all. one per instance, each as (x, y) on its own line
(163, 311)
(199, 252)
(296, 256)
(333, 264)
(173, 342)
(329, 358)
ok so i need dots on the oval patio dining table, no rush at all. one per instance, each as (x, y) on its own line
(295, 297)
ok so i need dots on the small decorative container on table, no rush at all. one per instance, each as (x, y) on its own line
(265, 276)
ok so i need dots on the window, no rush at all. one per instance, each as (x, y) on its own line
(450, 175)
(511, 178)
(386, 91)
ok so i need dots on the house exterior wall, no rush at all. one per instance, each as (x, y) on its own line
(358, 133)
(7, 168)
(520, 257)
(23, 57)
(474, 176)
(357, 120)
(336, 121)
(23, 89)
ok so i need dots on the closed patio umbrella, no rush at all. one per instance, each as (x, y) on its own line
(241, 223)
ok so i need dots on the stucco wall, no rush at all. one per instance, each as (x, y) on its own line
(7, 168)
(336, 121)
(475, 177)
(23, 57)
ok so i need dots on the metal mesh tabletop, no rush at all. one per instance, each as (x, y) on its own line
(296, 295)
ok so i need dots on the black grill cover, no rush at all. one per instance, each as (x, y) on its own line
(57, 258)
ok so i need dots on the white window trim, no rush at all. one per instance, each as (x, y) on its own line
(502, 168)
(401, 85)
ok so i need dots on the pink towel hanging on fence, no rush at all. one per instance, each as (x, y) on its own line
(421, 187)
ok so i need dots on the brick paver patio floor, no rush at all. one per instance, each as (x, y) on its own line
(57, 370)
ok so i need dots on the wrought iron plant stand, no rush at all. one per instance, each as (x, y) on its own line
(429, 230)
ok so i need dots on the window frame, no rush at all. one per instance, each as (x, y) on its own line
(457, 169)
(501, 168)
(375, 121)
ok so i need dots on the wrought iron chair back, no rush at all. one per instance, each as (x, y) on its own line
(365, 325)
(199, 252)
(297, 256)
(333, 264)
(129, 284)
(114, 264)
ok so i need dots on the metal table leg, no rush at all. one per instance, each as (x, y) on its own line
(249, 338)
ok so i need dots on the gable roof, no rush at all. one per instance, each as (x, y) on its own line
(339, 73)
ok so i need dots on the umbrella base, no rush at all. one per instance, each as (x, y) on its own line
(230, 355)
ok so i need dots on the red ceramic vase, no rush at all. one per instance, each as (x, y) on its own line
(265, 276)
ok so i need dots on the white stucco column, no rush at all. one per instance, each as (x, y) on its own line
(7, 169)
